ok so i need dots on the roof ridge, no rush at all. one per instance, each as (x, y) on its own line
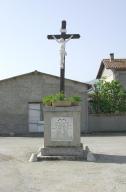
(124, 59)
(38, 72)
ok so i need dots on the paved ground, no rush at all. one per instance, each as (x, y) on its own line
(108, 174)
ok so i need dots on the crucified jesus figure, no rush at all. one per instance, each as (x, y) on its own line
(63, 52)
(62, 39)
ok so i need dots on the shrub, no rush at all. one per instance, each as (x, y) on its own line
(108, 97)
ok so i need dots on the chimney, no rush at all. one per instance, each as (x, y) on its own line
(111, 56)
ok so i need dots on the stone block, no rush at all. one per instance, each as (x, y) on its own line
(62, 151)
(62, 126)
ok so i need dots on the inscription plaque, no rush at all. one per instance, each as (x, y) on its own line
(62, 129)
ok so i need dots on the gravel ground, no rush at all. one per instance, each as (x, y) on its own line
(107, 174)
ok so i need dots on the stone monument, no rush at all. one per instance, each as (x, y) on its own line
(62, 124)
(62, 133)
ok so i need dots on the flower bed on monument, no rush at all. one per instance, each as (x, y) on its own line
(59, 100)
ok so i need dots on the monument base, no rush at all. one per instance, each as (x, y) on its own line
(62, 153)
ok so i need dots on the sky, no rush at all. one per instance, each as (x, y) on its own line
(25, 24)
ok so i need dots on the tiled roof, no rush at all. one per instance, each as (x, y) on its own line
(117, 64)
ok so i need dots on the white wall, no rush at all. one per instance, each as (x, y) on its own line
(108, 74)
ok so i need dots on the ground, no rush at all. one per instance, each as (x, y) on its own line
(107, 174)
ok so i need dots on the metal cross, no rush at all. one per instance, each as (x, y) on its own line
(62, 39)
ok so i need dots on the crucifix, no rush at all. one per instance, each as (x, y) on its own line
(62, 39)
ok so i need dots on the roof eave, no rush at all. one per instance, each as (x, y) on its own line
(41, 73)
(100, 70)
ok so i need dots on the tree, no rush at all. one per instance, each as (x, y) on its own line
(108, 97)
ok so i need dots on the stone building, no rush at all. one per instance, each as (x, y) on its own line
(113, 69)
(21, 110)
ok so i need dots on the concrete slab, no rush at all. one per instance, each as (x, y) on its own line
(107, 174)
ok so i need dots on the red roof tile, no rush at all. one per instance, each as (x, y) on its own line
(117, 64)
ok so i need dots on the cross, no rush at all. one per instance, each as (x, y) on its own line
(62, 39)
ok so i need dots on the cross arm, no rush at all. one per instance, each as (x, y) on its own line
(64, 36)
(74, 36)
(51, 36)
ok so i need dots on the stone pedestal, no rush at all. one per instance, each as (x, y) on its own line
(62, 133)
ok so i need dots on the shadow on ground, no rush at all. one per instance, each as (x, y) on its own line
(5, 157)
(103, 158)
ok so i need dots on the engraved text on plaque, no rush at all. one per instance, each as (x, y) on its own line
(62, 129)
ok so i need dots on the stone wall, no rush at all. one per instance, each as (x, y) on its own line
(17, 92)
(122, 78)
(106, 123)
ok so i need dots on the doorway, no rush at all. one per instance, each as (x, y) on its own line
(35, 113)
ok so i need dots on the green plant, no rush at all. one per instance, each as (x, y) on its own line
(59, 96)
(108, 97)
(48, 100)
(74, 99)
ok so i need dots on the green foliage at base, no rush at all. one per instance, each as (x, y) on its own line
(49, 99)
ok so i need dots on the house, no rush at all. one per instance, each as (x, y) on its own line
(21, 110)
(113, 69)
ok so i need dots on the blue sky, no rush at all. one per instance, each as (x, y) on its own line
(25, 24)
